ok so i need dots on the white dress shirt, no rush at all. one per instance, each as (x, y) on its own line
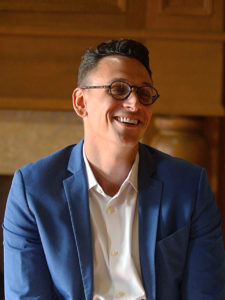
(114, 222)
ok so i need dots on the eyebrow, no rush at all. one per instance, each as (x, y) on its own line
(125, 80)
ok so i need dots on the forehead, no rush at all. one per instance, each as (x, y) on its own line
(114, 67)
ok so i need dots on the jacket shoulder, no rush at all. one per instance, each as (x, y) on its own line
(166, 165)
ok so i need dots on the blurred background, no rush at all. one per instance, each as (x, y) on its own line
(41, 43)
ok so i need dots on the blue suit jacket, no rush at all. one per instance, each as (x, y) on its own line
(47, 232)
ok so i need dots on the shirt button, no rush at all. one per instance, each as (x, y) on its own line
(114, 253)
(121, 294)
(99, 190)
(110, 210)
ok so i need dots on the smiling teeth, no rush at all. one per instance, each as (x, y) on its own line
(128, 120)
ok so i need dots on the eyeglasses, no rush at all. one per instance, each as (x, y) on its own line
(121, 90)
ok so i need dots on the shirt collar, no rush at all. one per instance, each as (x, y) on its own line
(90, 176)
(132, 177)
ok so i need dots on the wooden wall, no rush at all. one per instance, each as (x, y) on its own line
(41, 43)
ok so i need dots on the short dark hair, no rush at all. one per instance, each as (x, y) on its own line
(124, 47)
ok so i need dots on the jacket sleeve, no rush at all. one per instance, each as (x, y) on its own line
(26, 273)
(204, 274)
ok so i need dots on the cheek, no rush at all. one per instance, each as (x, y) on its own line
(109, 109)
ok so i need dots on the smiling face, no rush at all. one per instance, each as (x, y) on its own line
(107, 120)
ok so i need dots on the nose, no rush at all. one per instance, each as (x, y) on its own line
(132, 102)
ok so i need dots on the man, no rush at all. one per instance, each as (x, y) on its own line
(111, 218)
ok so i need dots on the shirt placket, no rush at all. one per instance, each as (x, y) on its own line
(116, 233)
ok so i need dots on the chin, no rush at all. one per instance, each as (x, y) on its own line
(128, 141)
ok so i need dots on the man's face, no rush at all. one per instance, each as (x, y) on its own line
(109, 120)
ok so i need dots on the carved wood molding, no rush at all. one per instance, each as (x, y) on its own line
(105, 34)
(66, 6)
(186, 7)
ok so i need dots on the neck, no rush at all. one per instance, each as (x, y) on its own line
(110, 164)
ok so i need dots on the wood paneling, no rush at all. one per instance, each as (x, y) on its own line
(188, 75)
(196, 139)
(40, 16)
(42, 42)
(29, 135)
(186, 7)
(5, 183)
(41, 45)
(181, 15)
(40, 73)
(39, 68)
(182, 137)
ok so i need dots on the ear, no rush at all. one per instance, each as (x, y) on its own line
(79, 104)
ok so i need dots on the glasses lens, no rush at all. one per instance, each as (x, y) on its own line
(119, 90)
(146, 94)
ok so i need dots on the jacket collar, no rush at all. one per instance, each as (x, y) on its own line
(76, 162)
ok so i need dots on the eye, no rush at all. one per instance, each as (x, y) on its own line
(145, 92)
(119, 89)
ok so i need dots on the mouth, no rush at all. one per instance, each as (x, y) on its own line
(128, 121)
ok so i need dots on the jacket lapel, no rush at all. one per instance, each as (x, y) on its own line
(76, 190)
(150, 190)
